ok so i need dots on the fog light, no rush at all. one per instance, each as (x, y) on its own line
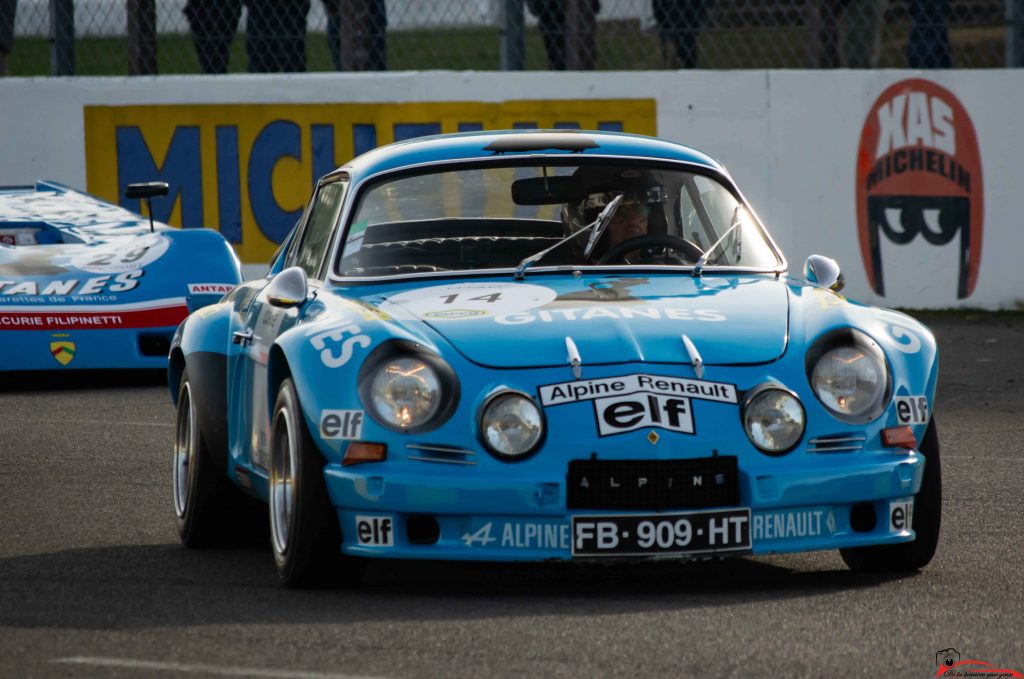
(899, 437)
(360, 451)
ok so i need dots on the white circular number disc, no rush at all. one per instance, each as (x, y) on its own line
(468, 300)
(124, 254)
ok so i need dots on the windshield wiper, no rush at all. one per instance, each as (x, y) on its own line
(698, 268)
(598, 226)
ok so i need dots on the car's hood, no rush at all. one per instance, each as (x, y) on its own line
(610, 319)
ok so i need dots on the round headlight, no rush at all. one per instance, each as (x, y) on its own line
(851, 381)
(405, 393)
(511, 424)
(774, 420)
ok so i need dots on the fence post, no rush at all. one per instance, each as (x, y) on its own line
(62, 37)
(513, 42)
(1014, 33)
(141, 36)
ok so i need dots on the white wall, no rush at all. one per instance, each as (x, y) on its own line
(790, 139)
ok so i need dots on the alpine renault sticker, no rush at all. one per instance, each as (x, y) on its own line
(586, 390)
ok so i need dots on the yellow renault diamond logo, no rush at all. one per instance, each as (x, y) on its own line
(63, 351)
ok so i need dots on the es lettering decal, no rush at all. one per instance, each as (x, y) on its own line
(341, 424)
(912, 409)
(375, 531)
(337, 345)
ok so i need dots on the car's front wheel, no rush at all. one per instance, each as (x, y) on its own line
(209, 511)
(910, 556)
(304, 528)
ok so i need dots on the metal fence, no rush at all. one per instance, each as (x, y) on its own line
(116, 37)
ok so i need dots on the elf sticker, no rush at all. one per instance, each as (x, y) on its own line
(920, 199)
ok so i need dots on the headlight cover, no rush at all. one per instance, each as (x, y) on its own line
(774, 420)
(850, 377)
(406, 388)
(511, 425)
(405, 392)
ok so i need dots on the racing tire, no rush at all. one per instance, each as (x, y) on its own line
(910, 556)
(209, 510)
(304, 529)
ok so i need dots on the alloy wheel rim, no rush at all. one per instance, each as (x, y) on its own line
(185, 444)
(282, 481)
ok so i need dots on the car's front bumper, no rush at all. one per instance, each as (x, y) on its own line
(518, 518)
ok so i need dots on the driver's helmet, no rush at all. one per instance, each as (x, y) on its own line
(578, 215)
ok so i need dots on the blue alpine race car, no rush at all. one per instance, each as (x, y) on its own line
(88, 284)
(549, 345)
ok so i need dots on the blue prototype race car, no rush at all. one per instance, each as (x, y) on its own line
(88, 284)
(535, 345)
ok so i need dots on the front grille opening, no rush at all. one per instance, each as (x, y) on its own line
(653, 484)
(154, 345)
(862, 517)
(422, 530)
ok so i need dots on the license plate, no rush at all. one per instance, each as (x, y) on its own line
(651, 534)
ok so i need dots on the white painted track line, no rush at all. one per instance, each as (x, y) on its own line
(197, 668)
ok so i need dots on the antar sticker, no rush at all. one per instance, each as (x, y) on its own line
(210, 288)
(341, 424)
(375, 531)
(912, 409)
(919, 174)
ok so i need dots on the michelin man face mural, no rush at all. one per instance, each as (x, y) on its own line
(919, 185)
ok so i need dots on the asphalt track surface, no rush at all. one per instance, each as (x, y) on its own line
(94, 583)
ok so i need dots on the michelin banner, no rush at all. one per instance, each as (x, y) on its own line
(907, 178)
(248, 169)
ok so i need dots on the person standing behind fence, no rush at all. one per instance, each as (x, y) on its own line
(679, 24)
(844, 34)
(928, 42)
(551, 19)
(213, 24)
(367, 46)
(8, 8)
(275, 35)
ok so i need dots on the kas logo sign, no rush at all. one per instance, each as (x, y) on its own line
(919, 174)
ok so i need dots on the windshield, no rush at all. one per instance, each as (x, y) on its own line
(496, 217)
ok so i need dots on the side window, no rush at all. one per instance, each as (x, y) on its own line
(316, 237)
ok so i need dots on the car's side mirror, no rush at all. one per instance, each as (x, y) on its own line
(824, 271)
(146, 189)
(288, 289)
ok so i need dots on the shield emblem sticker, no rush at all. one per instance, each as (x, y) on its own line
(63, 351)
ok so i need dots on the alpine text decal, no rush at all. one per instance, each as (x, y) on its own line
(919, 174)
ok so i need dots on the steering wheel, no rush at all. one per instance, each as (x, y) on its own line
(650, 243)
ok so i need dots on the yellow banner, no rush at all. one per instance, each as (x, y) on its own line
(248, 169)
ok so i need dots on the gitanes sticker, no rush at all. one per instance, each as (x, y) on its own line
(919, 174)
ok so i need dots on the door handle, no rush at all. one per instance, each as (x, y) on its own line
(241, 337)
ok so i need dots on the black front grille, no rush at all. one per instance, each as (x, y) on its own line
(653, 484)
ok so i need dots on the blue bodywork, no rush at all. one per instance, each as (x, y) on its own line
(87, 284)
(751, 328)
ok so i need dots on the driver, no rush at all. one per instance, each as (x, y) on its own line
(629, 220)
